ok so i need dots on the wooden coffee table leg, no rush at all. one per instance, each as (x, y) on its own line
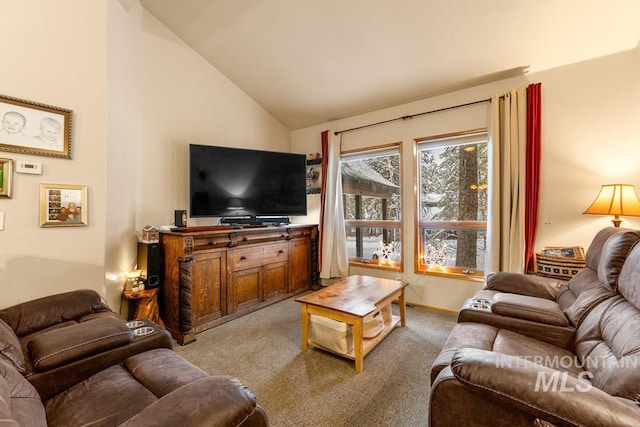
(402, 308)
(358, 350)
(305, 327)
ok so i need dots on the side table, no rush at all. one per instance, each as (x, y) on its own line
(146, 304)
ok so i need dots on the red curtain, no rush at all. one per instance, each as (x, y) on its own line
(324, 136)
(532, 189)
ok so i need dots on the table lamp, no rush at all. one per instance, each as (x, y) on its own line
(616, 200)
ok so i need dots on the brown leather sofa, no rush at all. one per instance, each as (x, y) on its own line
(68, 360)
(549, 309)
(493, 371)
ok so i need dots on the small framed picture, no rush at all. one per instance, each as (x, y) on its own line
(314, 173)
(575, 252)
(6, 175)
(28, 127)
(314, 178)
(63, 205)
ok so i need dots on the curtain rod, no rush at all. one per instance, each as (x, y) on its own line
(411, 116)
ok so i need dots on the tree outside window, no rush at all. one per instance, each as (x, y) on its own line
(452, 204)
(372, 207)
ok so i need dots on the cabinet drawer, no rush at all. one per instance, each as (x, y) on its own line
(214, 241)
(257, 256)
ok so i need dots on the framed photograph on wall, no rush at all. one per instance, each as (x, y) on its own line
(63, 205)
(6, 175)
(28, 127)
(314, 176)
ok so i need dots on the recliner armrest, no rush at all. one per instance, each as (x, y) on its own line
(535, 309)
(61, 346)
(215, 400)
(549, 394)
(524, 284)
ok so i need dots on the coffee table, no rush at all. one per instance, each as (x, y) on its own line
(353, 301)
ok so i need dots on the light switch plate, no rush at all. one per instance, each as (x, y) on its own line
(29, 167)
(1, 221)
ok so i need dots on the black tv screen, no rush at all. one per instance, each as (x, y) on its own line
(226, 181)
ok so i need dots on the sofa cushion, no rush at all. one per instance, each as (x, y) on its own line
(131, 386)
(596, 247)
(608, 347)
(517, 384)
(20, 404)
(629, 280)
(484, 337)
(111, 396)
(614, 253)
(65, 345)
(586, 278)
(584, 302)
(162, 370)
(10, 347)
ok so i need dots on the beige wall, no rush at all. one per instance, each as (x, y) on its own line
(123, 151)
(185, 100)
(591, 132)
(591, 126)
(54, 53)
(139, 96)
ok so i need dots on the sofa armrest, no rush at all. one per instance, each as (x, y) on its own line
(214, 400)
(42, 313)
(524, 284)
(524, 307)
(551, 395)
(61, 346)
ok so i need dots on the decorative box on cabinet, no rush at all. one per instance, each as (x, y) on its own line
(216, 274)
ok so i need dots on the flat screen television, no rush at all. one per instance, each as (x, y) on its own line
(243, 184)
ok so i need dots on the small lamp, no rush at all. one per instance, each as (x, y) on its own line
(616, 200)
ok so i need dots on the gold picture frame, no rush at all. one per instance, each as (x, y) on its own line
(6, 177)
(63, 205)
(28, 127)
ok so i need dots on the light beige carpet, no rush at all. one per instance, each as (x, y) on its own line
(318, 388)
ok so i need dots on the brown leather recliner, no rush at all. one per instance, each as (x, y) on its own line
(65, 338)
(68, 360)
(499, 377)
(550, 309)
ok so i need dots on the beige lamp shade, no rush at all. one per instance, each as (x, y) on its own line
(616, 200)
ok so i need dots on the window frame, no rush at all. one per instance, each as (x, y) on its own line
(419, 266)
(360, 153)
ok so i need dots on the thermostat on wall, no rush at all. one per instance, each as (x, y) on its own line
(29, 167)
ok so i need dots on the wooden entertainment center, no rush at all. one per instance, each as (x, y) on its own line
(216, 274)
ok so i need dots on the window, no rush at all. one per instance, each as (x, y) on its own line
(372, 209)
(452, 204)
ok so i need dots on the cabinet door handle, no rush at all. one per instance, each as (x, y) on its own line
(280, 251)
(245, 239)
(242, 258)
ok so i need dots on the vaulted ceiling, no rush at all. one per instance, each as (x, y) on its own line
(312, 61)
